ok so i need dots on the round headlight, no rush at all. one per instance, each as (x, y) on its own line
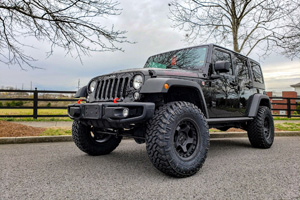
(92, 86)
(137, 82)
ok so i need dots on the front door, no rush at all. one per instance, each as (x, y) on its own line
(224, 90)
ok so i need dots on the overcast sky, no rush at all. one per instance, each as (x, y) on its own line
(147, 25)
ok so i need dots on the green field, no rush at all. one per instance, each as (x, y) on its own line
(64, 112)
(30, 112)
(56, 131)
(288, 126)
(67, 131)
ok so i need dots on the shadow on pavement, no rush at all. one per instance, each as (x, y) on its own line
(135, 162)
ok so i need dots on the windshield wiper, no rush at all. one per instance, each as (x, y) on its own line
(172, 67)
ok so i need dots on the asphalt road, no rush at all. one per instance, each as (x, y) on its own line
(233, 170)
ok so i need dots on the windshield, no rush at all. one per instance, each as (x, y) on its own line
(191, 58)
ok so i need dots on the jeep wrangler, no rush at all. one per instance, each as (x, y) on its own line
(171, 103)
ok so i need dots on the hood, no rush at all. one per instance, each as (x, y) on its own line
(160, 72)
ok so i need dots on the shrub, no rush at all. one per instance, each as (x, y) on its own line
(295, 113)
(19, 103)
(1, 104)
(14, 103)
(49, 104)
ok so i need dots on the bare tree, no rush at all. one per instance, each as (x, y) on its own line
(73, 25)
(241, 24)
(289, 39)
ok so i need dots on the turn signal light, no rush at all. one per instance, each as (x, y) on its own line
(166, 86)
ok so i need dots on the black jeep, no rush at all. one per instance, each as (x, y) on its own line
(171, 103)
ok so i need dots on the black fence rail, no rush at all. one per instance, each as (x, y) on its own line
(35, 99)
(290, 107)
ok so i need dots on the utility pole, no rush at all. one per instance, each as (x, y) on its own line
(78, 84)
(30, 85)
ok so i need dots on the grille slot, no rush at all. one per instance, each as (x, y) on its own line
(111, 88)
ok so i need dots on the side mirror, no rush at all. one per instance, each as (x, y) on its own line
(222, 66)
(82, 92)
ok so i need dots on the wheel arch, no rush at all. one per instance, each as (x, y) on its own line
(176, 88)
(255, 101)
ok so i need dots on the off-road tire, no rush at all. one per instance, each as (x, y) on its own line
(261, 129)
(85, 142)
(161, 133)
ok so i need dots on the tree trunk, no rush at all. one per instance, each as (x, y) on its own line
(235, 39)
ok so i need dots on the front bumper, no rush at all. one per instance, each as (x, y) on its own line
(111, 112)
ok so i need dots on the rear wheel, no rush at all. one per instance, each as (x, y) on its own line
(92, 142)
(261, 129)
(177, 139)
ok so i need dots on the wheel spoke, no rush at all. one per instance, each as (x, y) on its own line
(184, 138)
(183, 147)
(189, 140)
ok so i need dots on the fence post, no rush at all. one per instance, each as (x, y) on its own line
(289, 108)
(35, 104)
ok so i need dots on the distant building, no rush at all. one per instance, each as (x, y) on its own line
(297, 88)
(279, 104)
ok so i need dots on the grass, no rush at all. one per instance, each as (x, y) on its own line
(67, 131)
(285, 118)
(288, 126)
(56, 132)
(30, 112)
(44, 119)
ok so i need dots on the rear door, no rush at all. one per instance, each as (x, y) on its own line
(245, 85)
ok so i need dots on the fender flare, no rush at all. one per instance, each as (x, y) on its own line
(254, 103)
(156, 85)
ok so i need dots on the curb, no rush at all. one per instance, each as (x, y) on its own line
(67, 138)
(244, 134)
(35, 139)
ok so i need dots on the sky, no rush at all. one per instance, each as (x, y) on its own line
(148, 25)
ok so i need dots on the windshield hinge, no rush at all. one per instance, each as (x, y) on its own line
(152, 73)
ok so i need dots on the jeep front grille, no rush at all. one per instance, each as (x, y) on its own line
(111, 88)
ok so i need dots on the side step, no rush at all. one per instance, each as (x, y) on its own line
(228, 120)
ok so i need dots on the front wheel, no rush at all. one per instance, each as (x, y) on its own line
(261, 129)
(92, 142)
(177, 139)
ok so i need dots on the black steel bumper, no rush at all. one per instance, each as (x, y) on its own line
(112, 112)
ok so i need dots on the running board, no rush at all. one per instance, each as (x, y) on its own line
(227, 120)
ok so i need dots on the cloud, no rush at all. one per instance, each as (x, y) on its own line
(281, 76)
(147, 25)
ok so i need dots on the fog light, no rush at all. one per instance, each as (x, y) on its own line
(125, 112)
(136, 96)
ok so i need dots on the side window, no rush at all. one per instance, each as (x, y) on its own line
(222, 56)
(257, 74)
(240, 68)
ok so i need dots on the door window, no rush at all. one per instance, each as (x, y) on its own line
(241, 69)
(222, 56)
(257, 74)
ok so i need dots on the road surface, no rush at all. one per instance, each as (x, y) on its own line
(233, 170)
